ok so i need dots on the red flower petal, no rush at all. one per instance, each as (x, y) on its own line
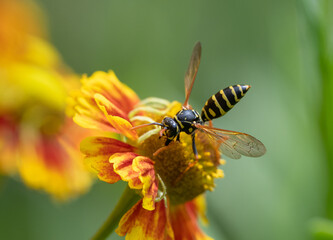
(116, 117)
(98, 151)
(145, 167)
(122, 165)
(184, 221)
(139, 172)
(141, 224)
(51, 162)
(108, 85)
(108, 107)
(102, 96)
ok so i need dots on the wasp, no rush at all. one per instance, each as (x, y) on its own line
(232, 144)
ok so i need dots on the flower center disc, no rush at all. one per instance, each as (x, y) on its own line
(171, 163)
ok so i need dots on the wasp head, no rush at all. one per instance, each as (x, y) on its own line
(171, 128)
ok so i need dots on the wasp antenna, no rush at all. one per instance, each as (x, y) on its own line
(145, 125)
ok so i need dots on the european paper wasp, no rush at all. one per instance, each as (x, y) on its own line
(232, 144)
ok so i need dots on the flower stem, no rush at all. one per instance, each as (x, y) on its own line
(126, 201)
(320, 23)
(326, 69)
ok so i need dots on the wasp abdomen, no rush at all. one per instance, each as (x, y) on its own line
(221, 102)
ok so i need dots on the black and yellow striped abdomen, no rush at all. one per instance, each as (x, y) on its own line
(221, 102)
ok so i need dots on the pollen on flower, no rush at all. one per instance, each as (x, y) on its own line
(219, 174)
(207, 154)
(200, 165)
(208, 164)
(208, 177)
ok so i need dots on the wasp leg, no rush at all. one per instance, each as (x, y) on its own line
(162, 131)
(194, 147)
(159, 150)
(192, 164)
(178, 138)
(167, 142)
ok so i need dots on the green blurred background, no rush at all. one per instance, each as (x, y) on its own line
(267, 44)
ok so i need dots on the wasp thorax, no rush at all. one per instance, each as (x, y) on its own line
(172, 128)
(187, 120)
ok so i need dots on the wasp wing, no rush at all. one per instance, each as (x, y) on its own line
(192, 72)
(234, 144)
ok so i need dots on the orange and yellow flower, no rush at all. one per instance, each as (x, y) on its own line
(37, 140)
(172, 198)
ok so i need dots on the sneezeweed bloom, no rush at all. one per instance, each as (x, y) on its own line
(37, 140)
(170, 197)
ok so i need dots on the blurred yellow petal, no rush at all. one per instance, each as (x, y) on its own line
(32, 83)
(18, 21)
(41, 143)
(51, 164)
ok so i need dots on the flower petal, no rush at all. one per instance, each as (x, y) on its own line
(145, 167)
(139, 172)
(123, 126)
(103, 95)
(108, 85)
(184, 221)
(141, 224)
(84, 108)
(87, 122)
(94, 146)
(199, 204)
(119, 122)
(108, 107)
(122, 165)
(98, 151)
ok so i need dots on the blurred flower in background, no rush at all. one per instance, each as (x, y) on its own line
(37, 140)
(140, 159)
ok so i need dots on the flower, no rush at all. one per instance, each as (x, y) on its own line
(130, 155)
(37, 140)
